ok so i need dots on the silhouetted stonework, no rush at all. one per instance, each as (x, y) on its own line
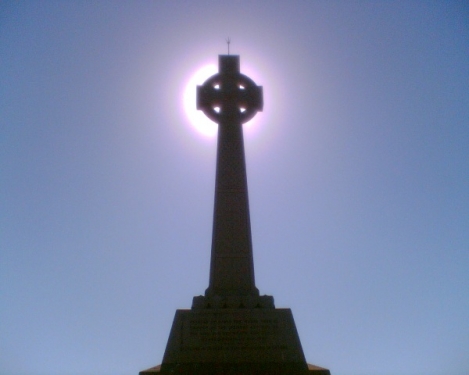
(232, 329)
(237, 99)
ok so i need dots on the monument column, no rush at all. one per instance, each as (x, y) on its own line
(232, 329)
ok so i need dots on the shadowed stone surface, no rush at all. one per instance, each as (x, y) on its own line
(230, 98)
(232, 329)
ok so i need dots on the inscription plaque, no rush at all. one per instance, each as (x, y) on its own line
(231, 332)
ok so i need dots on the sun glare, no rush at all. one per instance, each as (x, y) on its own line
(197, 118)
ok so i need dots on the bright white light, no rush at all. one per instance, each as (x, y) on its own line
(197, 118)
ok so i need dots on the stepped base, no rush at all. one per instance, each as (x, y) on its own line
(312, 370)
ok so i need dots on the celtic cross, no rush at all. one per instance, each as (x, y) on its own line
(229, 95)
(230, 99)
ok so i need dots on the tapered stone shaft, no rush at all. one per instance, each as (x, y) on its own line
(232, 267)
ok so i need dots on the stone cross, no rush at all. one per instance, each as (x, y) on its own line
(230, 99)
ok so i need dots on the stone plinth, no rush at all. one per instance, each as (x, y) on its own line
(234, 341)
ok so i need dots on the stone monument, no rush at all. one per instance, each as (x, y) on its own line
(232, 329)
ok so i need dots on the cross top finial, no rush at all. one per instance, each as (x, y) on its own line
(228, 41)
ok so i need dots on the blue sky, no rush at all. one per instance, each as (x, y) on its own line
(358, 173)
